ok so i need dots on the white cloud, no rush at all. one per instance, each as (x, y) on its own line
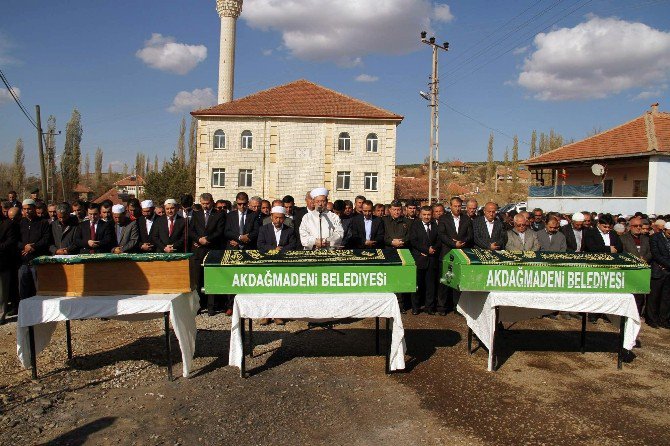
(595, 59)
(267, 52)
(5, 47)
(187, 101)
(344, 31)
(165, 54)
(366, 78)
(651, 94)
(442, 13)
(5, 96)
(520, 50)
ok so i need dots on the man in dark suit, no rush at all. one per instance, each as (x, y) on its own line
(277, 235)
(425, 246)
(637, 243)
(12, 197)
(366, 230)
(64, 231)
(488, 231)
(169, 234)
(34, 241)
(658, 303)
(9, 237)
(95, 236)
(145, 224)
(454, 231)
(206, 233)
(574, 233)
(396, 236)
(241, 230)
(601, 238)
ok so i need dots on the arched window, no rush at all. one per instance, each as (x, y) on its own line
(372, 142)
(344, 142)
(247, 139)
(219, 139)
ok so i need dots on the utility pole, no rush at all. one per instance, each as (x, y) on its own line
(43, 169)
(434, 151)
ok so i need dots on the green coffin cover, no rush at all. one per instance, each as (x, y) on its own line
(485, 270)
(93, 258)
(321, 271)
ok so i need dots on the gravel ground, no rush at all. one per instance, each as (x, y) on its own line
(323, 388)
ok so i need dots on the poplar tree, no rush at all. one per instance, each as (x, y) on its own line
(19, 168)
(490, 166)
(181, 148)
(515, 164)
(87, 167)
(533, 144)
(72, 153)
(98, 167)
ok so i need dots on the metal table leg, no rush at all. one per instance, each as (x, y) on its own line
(242, 366)
(376, 336)
(68, 339)
(494, 352)
(622, 328)
(469, 340)
(251, 339)
(583, 340)
(33, 358)
(168, 350)
(388, 345)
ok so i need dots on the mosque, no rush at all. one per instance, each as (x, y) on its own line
(291, 138)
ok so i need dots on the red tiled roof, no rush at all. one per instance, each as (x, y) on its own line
(130, 180)
(111, 194)
(81, 189)
(299, 99)
(457, 163)
(645, 135)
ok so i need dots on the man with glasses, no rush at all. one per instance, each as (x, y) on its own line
(520, 238)
(241, 228)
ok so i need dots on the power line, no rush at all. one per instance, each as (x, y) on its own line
(16, 99)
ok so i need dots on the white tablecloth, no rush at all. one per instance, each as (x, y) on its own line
(318, 306)
(44, 312)
(478, 308)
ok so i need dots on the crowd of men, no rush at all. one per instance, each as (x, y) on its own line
(32, 228)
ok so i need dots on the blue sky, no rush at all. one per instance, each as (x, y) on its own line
(598, 67)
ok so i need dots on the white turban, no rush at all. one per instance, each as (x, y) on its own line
(660, 222)
(118, 209)
(318, 192)
(146, 204)
(28, 202)
(278, 210)
(667, 225)
(563, 222)
(577, 216)
(171, 201)
(620, 228)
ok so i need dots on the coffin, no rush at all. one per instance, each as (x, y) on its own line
(484, 270)
(113, 274)
(321, 271)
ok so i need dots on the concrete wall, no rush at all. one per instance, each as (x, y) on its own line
(613, 205)
(659, 185)
(623, 176)
(292, 156)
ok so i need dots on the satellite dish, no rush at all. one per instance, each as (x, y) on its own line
(598, 169)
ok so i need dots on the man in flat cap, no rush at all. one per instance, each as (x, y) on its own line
(145, 224)
(170, 232)
(125, 230)
(34, 238)
(321, 228)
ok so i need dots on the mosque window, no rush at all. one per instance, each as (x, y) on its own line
(372, 143)
(247, 139)
(219, 139)
(344, 142)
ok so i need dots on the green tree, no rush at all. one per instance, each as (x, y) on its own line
(490, 167)
(71, 162)
(170, 182)
(155, 163)
(515, 165)
(192, 152)
(533, 144)
(98, 168)
(87, 168)
(19, 168)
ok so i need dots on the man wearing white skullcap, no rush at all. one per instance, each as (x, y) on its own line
(320, 228)
(288, 221)
(144, 225)
(573, 232)
(125, 231)
(277, 235)
(169, 234)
